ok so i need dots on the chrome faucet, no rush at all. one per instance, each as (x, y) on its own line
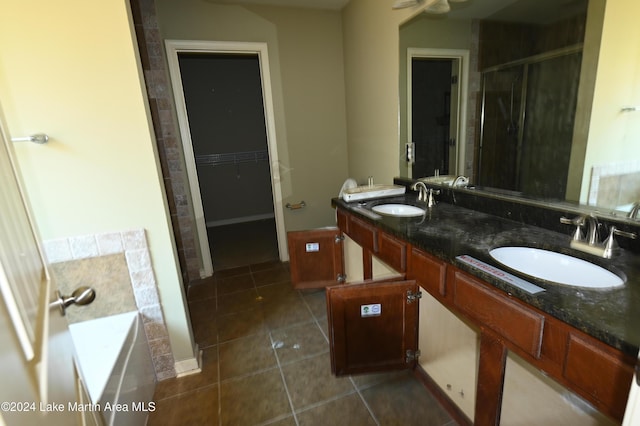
(425, 194)
(422, 190)
(592, 243)
(460, 181)
(593, 234)
(633, 213)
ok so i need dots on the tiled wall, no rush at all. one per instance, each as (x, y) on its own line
(615, 185)
(167, 134)
(502, 42)
(474, 92)
(118, 266)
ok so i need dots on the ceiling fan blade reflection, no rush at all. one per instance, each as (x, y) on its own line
(402, 4)
(437, 6)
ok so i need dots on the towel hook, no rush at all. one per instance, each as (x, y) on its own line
(39, 138)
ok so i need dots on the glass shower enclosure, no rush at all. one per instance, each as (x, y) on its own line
(527, 120)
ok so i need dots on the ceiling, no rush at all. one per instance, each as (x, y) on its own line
(506, 10)
(311, 4)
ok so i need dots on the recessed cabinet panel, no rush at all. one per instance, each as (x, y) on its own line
(342, 220)
(521, 326)
(315, 257)
(363, 234)
(601, 373)
(372, 326)
(428, 271)
(392, 251)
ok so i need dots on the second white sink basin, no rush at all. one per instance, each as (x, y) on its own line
(401, 210)
(556, 267)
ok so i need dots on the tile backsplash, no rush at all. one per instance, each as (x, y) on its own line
(107, 275)
(615, 185)
(118, 266)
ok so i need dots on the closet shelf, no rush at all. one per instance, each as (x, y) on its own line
(232, 158)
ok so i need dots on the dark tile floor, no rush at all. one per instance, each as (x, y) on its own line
(266, 362)
(242, 244)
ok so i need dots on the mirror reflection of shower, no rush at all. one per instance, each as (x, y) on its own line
(528, 112)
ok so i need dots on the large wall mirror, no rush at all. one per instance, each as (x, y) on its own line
(533, 115)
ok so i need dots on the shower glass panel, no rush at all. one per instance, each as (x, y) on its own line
(528, 115)
(501, 112)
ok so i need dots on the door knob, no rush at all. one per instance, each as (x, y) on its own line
(80, 296)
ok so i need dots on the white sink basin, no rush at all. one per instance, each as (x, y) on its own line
(556, 267)
(401, 210)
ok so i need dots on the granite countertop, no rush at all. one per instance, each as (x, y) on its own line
(448, 231)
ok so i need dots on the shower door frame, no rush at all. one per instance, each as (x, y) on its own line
(525, 62)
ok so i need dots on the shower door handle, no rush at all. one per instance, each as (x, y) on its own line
(80, 296)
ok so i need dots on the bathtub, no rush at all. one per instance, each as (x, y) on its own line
(115, 367)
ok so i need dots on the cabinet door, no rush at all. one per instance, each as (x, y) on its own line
(315, 258)
(373, 326)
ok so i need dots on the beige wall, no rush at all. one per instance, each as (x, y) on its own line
(69, 68)
(306, 64)
(614, 135)
(426, 31)
(371, 48)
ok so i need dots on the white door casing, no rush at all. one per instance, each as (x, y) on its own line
(36, 350)
(462, 56)
(174, 47)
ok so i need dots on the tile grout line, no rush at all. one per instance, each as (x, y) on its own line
(353, 383)
(326, 401)
(364, 401)
(286, 388)
(315, 319)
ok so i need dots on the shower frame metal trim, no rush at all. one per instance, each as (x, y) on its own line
(525, 62)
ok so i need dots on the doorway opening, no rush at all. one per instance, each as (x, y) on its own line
(225, 114)
(436, 94)
(431, 116)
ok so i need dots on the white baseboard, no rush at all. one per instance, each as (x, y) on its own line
(234, 220)
(189, 366)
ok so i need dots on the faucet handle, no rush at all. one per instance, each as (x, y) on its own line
(610, 243)
(578, 222)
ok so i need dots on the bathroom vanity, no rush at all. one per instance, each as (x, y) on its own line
(493, 352)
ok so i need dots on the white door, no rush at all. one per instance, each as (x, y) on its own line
(37, 384)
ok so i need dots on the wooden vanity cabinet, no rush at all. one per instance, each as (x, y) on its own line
(392, 251)
(490, 309)
(597, 372)
(316, 258)
(429, 271)
(372, 324)
(495, 324)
